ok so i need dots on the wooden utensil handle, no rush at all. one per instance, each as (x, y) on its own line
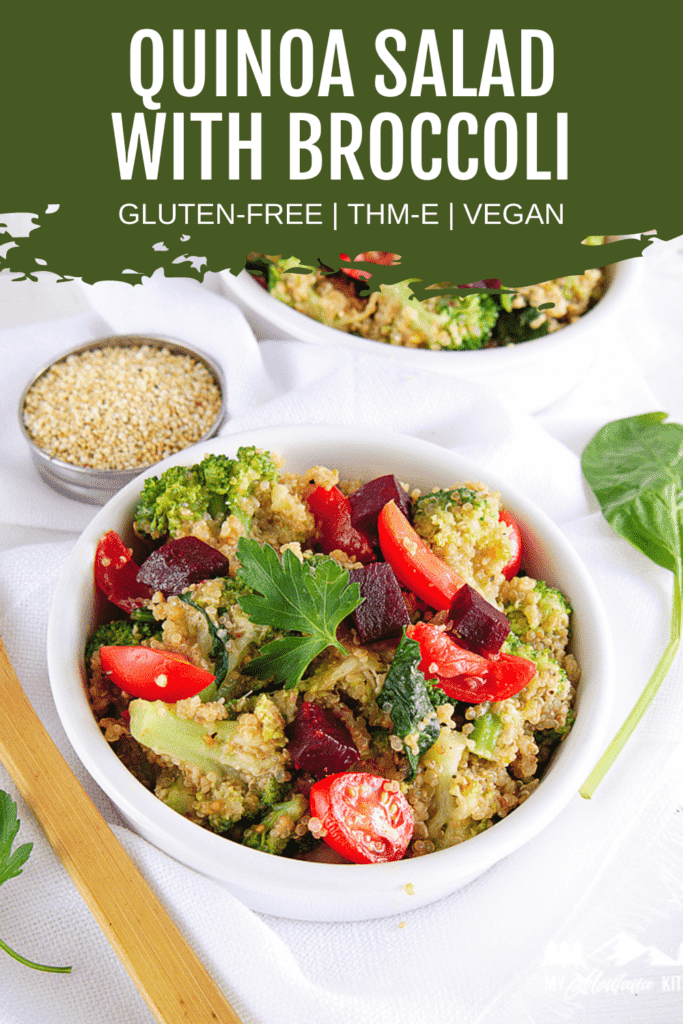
(169, 975)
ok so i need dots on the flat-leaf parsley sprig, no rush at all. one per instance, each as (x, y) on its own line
(634, 467)
(307, 601)
(11, 863)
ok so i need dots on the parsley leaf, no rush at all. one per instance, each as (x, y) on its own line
(306, 601)
(405, 697)
(11, 863)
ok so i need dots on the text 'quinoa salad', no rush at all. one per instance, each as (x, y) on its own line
(328, 669)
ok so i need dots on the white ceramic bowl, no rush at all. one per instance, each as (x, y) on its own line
(536, 372)
(312, 891)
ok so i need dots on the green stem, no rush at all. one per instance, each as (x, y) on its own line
(30, 963)
(646, 697)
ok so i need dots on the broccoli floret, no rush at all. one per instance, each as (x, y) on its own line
(231, 769)
(168, 501)
(468, 319)
(252, 468)
(463, 527)
(122, 632)
(449, 822)
(274, 831)
(538, 614)
(549, 690)
(215, 487)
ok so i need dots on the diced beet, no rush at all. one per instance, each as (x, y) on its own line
(383, 613)
(177, 564)
(369, 500)
(477, 622)
(319, 743)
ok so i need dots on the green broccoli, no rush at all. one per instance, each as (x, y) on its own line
(462, 526)
(274, 831)
(449, 822)
(122, 632)
(213, 488)
(231, 769)
(469, 318)
(539, 615)
(251, 469)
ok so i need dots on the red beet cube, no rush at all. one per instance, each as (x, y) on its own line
(181, 562)
(477, 622)
(319, 743)
(369, 500)
(383, 613)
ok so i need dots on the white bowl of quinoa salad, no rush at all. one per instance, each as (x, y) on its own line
(537, 371)
(473, 776)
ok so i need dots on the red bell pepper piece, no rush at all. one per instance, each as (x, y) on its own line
(464, 675)
(332, 513)
(116, 574)
(153, 675)
(413, 561)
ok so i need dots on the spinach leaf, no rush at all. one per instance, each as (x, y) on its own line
(634, 466)
(405, 697)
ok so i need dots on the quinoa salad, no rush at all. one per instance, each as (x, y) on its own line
(326, 669)
(393, 315)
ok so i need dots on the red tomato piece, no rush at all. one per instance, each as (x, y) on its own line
(332, 513)
(366, 818)
(442, 656)
(116, 574)
(504, 676)
(464, 675)
(512, 567)
(382, 258)
(413, 561)
(153, 675)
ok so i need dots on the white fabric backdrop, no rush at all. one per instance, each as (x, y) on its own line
(478, 955)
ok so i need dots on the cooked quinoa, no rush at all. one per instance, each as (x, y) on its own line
(444, 322)
(121, 407)
(458, 787)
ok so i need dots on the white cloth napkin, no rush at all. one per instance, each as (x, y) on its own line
(477, 955)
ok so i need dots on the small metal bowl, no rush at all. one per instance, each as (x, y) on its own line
(97, 486)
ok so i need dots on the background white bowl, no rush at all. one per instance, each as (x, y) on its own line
(328, 892)
(536, 372)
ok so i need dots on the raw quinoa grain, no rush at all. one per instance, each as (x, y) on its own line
(121, 407)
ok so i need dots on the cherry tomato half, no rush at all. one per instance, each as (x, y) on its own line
(413, 561)
(116, 573)
(332, 513)
(511, 568)
(366, 818)
(153, 675)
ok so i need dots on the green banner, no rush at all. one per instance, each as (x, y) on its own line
(477, 142)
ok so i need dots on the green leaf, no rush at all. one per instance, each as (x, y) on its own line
(635, 468)
(405, 697)
(308, 600)
(11, 863)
